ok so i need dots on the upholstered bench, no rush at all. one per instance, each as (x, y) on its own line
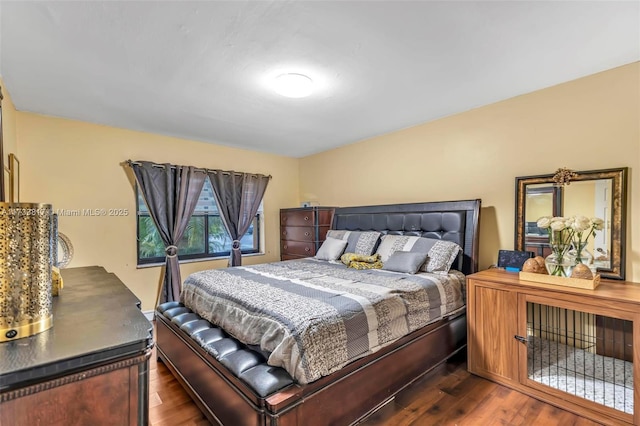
(247, 364)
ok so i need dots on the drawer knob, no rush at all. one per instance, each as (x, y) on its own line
(307, 233)
(284, 232)
(307, 249)
(285, 247)
(306, 218)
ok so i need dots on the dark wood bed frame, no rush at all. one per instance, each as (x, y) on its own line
(352, 393)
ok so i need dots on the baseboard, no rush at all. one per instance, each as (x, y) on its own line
(149, 315)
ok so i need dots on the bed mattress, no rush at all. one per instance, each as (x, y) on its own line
(313, 317)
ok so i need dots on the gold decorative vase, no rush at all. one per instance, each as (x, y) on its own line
(25, 269)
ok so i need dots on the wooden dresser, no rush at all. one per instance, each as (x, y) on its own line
(90, 368)
(546, 341)
(302, 231)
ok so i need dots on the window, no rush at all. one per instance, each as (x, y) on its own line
(204, 238)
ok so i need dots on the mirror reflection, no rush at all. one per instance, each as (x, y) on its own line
(599, 193)
(593, 199)
(588, 198)
(540, 201)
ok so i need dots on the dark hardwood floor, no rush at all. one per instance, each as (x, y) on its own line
(446, 396)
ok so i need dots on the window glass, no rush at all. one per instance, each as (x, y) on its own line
(205, 236)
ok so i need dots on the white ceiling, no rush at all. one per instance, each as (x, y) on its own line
(199, 70)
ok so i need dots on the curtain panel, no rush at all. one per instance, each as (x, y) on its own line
(238, 196)
(171, 194)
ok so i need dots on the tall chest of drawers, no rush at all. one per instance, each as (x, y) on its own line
(302, 231)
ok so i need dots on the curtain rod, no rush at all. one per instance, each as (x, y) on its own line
(173, 166)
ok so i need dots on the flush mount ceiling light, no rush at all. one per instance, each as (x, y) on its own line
(293, 85)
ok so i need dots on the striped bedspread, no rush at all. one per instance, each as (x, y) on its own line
(313, 317)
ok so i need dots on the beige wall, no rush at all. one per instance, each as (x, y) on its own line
(579, 198)
(591, 123)
(77, 165)
(9, 132)
(586, 124)
(538, 205)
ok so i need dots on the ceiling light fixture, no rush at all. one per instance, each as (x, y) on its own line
(293, 85)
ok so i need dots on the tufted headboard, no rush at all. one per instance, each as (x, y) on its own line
(455, 221)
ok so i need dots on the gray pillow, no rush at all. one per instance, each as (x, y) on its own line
(393, 243)
(359, 242)
(405, 261)
(440, 253)
(331, 249)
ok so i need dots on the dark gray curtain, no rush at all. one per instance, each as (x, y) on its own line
(171, 194)
(238, 196)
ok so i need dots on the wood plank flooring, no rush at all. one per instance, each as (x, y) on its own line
(447, 396)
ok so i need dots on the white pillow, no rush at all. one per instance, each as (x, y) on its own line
(331, 249)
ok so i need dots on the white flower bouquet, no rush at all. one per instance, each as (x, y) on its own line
(566, 233)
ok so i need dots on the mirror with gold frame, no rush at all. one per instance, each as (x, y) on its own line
(594, 193)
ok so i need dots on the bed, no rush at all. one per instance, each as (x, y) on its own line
(232, 382)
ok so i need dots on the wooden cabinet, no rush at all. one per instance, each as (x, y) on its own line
(573, 348)
(494, 333)
(90, 368)
(302, 231)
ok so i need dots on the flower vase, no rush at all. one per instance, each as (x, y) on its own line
(560, 266)
(581, 254)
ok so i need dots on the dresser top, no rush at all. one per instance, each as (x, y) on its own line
(96, 319)
(622, 291)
